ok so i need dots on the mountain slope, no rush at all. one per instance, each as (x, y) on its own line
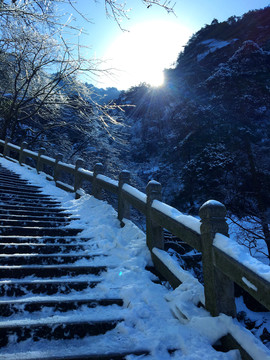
(206, 133)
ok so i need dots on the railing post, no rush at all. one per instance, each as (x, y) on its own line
(6, 151)
(56, 172)
(123, 205)
(77, 177)
(154, 232)
(21, 154)
(96, 189)
(218, 288)
(39, 160)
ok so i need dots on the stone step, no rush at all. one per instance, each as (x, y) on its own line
(17, 189)
(19, 288)
(7, 196)
(12, 182)
(33, 223)
(9, 173)
(26, 201)
(34, 248)
(30, 207)
(11, 176)
(20, 217)
(6, 186)
(56, 304)
(83, 354)
(12, 332)
(6, 172)
(48, 271)
(42, 239)
(37, 231)
(21, 182)
(40, 212)
(49, 259)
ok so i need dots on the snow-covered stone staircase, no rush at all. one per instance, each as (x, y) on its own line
(75, 284)
(48, 293)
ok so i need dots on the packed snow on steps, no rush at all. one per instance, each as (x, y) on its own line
(162, 318)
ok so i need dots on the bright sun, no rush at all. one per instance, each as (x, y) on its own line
(142, 54)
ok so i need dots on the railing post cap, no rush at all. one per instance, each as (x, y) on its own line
(42, 150)
(7, 139)
(24, 144)
(153, 185)
(79, 162)
(98, 168)
(212, 209)
(59, 157)
(124, 175)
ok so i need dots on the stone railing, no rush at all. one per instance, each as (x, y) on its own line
(222, 267)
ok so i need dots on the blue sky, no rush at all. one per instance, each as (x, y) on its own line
(155, 37)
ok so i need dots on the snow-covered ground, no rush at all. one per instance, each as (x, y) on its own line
(156, 316)
(213, 45)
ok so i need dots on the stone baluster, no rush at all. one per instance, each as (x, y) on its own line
(77, 177)
(96, 188)
(6, 151)
(154, 232)
(39, 166)
(218, 288)
(21, 153)
(123, 205)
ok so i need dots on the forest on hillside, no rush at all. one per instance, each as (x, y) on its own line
(208, 128)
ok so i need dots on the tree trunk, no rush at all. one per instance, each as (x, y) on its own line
(4, 128)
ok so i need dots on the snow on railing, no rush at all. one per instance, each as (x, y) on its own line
(221, 266)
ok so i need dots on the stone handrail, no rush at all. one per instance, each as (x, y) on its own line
(220, 269)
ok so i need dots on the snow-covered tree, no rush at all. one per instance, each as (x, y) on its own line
(38, 62)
